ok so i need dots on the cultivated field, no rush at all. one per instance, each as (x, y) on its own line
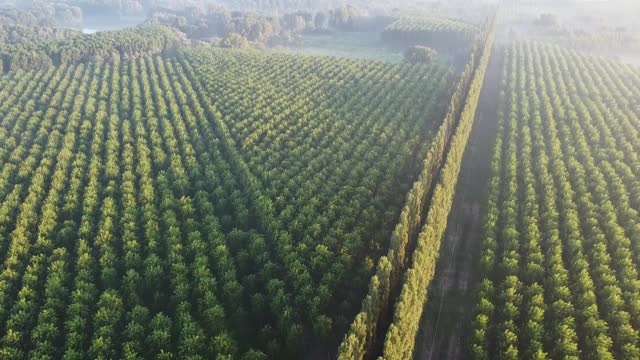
(202, 205)
(560, 251)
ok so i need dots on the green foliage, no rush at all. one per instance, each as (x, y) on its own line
(560, 275)
(400, 338)
(359, 342)
(420, 55)
(38, 18)
(235, 41)
(433, 24)
(343, 17)
(209, 205)
(442, 33)
(110, 46)
(283, 218)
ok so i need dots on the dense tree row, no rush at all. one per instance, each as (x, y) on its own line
(212, 25)
(421, 226)
(432, 24)
(434, 31)
(560, 254)
(125, 44)
(400, 338)
(327, 211)
(420, 55)
(209, 205)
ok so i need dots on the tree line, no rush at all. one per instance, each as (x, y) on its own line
(103, 46)
(434, 31)
(325, 218)
(402, 277)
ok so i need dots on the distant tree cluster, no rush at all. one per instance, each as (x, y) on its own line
(217, 25)
(441, 33)
(598, 37)
(110, 7)
(221, 24)
(19, 34)
(68, 11)
(26, 34)
(547, 20)
(343, 17)
(102, 46)
(420, 55)
(41, 14)
(235, 41)
(41, 22)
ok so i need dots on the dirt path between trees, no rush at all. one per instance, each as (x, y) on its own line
(448, 311)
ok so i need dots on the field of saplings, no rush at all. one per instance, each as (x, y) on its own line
(561, 247)
(208, 205)
(199, 186)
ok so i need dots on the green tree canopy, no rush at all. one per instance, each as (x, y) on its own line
(420, 55)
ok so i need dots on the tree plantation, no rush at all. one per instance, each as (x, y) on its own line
(560, 245)
(192, 180)
(212, 204)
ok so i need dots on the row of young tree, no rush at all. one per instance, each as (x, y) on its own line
(400, 339)
(560, 251)
(402, 277)
(434, 31)
(210, 205)
(331, 159)
(109, 232)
